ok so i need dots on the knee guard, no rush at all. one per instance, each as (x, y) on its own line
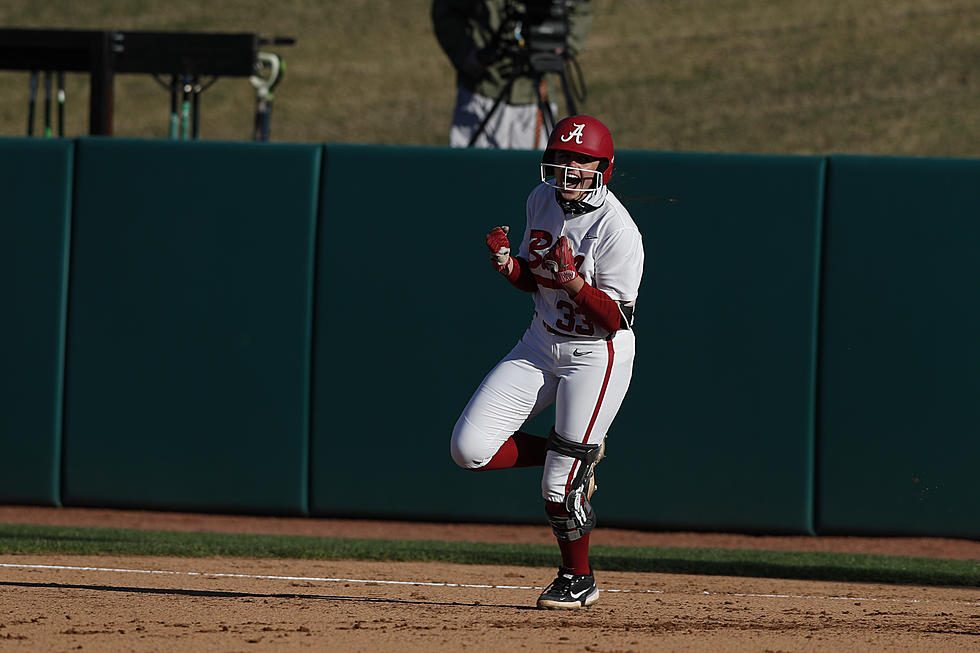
(581, 517)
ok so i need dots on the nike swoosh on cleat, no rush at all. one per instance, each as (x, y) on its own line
(580, 353)
(575, 596)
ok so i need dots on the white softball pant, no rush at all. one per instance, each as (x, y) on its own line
(586, 379)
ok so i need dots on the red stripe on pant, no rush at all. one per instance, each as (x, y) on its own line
(595, 413)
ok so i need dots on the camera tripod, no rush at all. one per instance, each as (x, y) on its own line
(534, 66)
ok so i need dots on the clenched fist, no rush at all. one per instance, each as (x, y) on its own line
(499, 248)
(561, 261)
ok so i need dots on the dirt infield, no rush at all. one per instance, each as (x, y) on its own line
(68, 603)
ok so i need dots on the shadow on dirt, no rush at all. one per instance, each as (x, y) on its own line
(174, 591)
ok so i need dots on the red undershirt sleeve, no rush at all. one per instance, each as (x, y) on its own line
(520, 275)
(600, 308)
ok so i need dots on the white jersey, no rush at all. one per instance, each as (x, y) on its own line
(608, 255)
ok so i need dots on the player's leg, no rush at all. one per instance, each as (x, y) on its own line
(591, 390)
(592, 387)
(572, 520)
(521, 449)
(487, 434)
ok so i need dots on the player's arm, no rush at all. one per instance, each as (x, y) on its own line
(514, 268)
(601, 308)
(594, 303)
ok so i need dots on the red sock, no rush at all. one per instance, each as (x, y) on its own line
(520, 450)
(574, 555)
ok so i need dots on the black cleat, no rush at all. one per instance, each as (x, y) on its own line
(569, 591)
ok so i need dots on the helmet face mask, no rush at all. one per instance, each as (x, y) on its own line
(570, 178)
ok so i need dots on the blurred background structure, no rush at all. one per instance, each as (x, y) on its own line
(890, 77)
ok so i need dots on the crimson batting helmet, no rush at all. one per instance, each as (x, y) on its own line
(582, 135)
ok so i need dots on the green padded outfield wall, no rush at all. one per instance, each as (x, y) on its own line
(717, 431)
(717, 428)
(190, 312)
(410, 318)
(185, 374)
(35, 184)
(899, 411)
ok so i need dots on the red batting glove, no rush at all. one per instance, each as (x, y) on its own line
(499, 248)
(561, 261)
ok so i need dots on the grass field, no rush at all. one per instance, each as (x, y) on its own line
(30, 539)
(895, 77)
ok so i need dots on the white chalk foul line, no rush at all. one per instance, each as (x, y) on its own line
(207, 574)
(314, 579)
(320, 579)
(845, 598)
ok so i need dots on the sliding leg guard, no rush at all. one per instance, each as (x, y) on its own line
(581, 517)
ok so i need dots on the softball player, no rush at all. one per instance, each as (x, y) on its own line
(581, 258)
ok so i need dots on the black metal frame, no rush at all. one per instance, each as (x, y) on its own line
(103, 53)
